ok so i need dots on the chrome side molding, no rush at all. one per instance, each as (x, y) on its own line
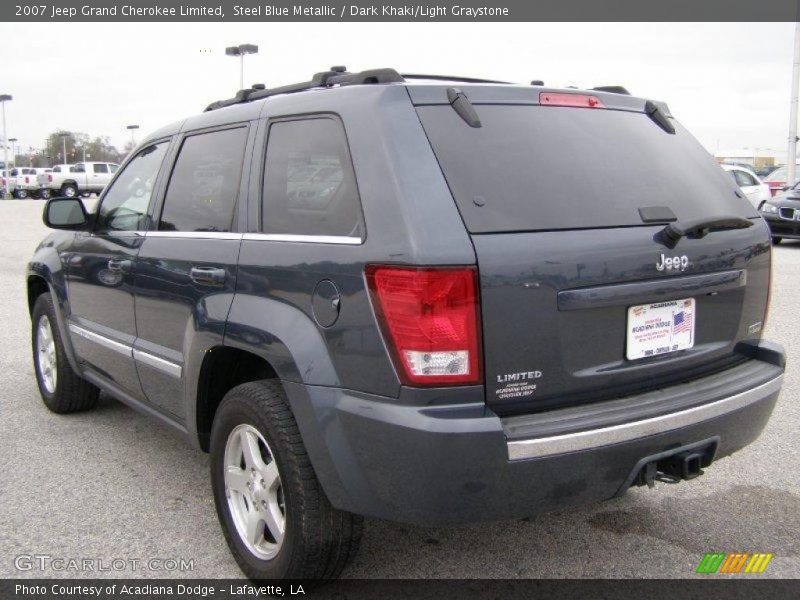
(165, 366)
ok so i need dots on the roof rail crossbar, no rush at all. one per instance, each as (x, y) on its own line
(449, 78)
(335, 76)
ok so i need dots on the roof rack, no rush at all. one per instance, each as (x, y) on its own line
(335, 76)
(451, 78)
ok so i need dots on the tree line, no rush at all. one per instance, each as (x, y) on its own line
(79, 146)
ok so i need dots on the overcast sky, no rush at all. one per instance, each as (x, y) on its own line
(728, 83)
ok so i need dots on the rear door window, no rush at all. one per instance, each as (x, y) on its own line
(205, 182)
(309, 183)
(533, 168)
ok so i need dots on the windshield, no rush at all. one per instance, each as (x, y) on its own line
(533, 168)
(780, 174)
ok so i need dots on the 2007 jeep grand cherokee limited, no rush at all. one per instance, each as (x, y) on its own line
(424, 299)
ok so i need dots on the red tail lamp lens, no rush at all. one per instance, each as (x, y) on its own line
(429, 318)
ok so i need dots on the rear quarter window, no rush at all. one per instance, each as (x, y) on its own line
(309, 183)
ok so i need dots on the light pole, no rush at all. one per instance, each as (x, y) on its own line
(14, 149)
(133, 139)
(791, 159)
(64, 135)
(240, 51)
(3, 99)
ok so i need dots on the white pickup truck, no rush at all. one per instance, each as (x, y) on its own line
(26, 181)
(80, 178)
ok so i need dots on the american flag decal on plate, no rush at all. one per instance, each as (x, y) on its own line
(682, 321)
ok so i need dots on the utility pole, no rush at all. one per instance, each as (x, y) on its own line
(3, 99)
(791, 159)
(132, 129)
(64, 135)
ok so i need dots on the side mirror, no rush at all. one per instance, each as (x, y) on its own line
(65, 213)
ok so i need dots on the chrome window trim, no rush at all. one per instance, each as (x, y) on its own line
(160, 364)
(307, 239)
(341, 240)
(199, 235)
(102, 340)
(584, 440)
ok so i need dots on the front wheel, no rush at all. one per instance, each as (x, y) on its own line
(69, 190)
(274, 514)
(20, 194)
(62, 390)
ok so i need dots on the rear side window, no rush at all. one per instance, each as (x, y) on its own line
(309, 183)
(743, 179)
(534, 168)
(113, 167)
(205, 182)
(100, 168)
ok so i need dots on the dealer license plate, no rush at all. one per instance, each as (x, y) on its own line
(660, 328)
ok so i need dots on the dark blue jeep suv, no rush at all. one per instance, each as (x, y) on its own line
(418, 298)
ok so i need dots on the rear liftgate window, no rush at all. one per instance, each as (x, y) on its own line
(530, 168)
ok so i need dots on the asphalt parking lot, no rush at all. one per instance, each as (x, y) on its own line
(111, 484)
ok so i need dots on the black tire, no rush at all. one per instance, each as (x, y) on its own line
(20, 194)
(71, 393)
(319, 540)
(776, 240)
(45, 194)
(69, 190)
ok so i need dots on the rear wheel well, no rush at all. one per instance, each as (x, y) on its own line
(223, 369)
(36, 287)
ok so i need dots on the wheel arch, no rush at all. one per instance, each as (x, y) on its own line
(41, 280)
(222, 369)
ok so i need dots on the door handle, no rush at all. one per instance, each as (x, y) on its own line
(208, 275)
(120, 265)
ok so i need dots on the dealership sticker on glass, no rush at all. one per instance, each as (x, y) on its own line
(660, 328)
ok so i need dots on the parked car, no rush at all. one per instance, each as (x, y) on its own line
(472, 314)
(46, 180)
(7, 183)
(782, 214)
(81, 178)
(777, 180)
(764, 171)
(26, 181)
(756, 190)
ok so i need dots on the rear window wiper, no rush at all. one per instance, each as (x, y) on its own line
(655, 112)
(673, 232)
(461, 104)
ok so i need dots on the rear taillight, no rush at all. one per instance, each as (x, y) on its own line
(27, 179)
(50, 178)
(576, 100)
(429, 318)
